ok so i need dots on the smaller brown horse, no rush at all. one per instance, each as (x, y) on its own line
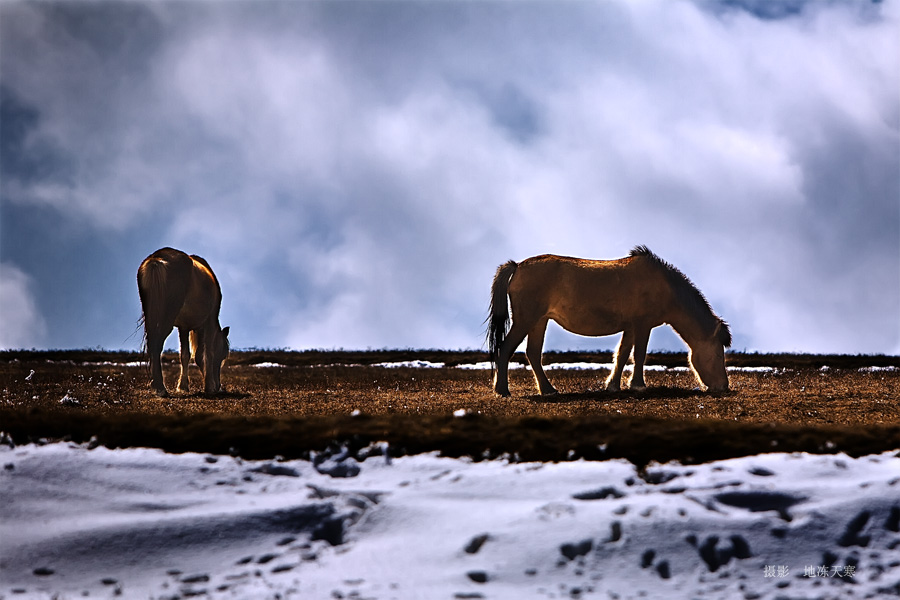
(182, 291)
(602, 297)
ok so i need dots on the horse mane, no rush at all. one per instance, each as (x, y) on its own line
(203, 262)
(197, 340)
(688, 295)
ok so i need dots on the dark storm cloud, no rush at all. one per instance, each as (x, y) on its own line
(785, 9)
(354, 171)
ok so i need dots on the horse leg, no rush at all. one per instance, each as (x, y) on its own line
(210, 371)
(184, 339)
(533, 351)
(614, 381)
(515, 336)
(641, 338)
(155, 341)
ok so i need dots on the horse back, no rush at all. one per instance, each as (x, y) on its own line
(560, 286)
(203, 267)
(564, 274)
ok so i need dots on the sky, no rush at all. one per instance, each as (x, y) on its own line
(355, 171)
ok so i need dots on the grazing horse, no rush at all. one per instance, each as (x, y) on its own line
(603, 297)
(182, 291)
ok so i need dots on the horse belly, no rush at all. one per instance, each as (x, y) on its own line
(188, 320)
(594, 323)
(598, 313)
(195, 312)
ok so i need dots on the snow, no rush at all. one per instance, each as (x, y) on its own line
(139, 523)
(594, 366)
(485, 366)
(575, 366)
(414, 364)
(583, 366)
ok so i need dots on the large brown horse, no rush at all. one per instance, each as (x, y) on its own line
(182, 291)
(603, 297)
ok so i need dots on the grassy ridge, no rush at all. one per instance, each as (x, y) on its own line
(267, 412)
(639, 440)
(453, 357)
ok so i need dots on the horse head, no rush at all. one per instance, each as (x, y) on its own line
(707, 358)
(210, 356)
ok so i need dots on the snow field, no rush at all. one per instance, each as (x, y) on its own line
(139, 523)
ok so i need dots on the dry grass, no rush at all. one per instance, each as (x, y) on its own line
(308, 405)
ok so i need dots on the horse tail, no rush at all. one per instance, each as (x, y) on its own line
(151, 279)
(162, 285)
(498, 317)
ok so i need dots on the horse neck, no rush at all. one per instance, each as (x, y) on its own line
(212, 326)
(691, 327)
(202, 337)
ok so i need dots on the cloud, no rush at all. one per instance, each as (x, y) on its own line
(355, 171)
(21, 323)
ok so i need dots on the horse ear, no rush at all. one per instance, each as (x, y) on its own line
(225, 331)
(723, 333)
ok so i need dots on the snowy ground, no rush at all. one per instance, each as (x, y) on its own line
(576, 366)
(139, 523)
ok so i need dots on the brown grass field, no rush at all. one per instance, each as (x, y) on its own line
(323, 400)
